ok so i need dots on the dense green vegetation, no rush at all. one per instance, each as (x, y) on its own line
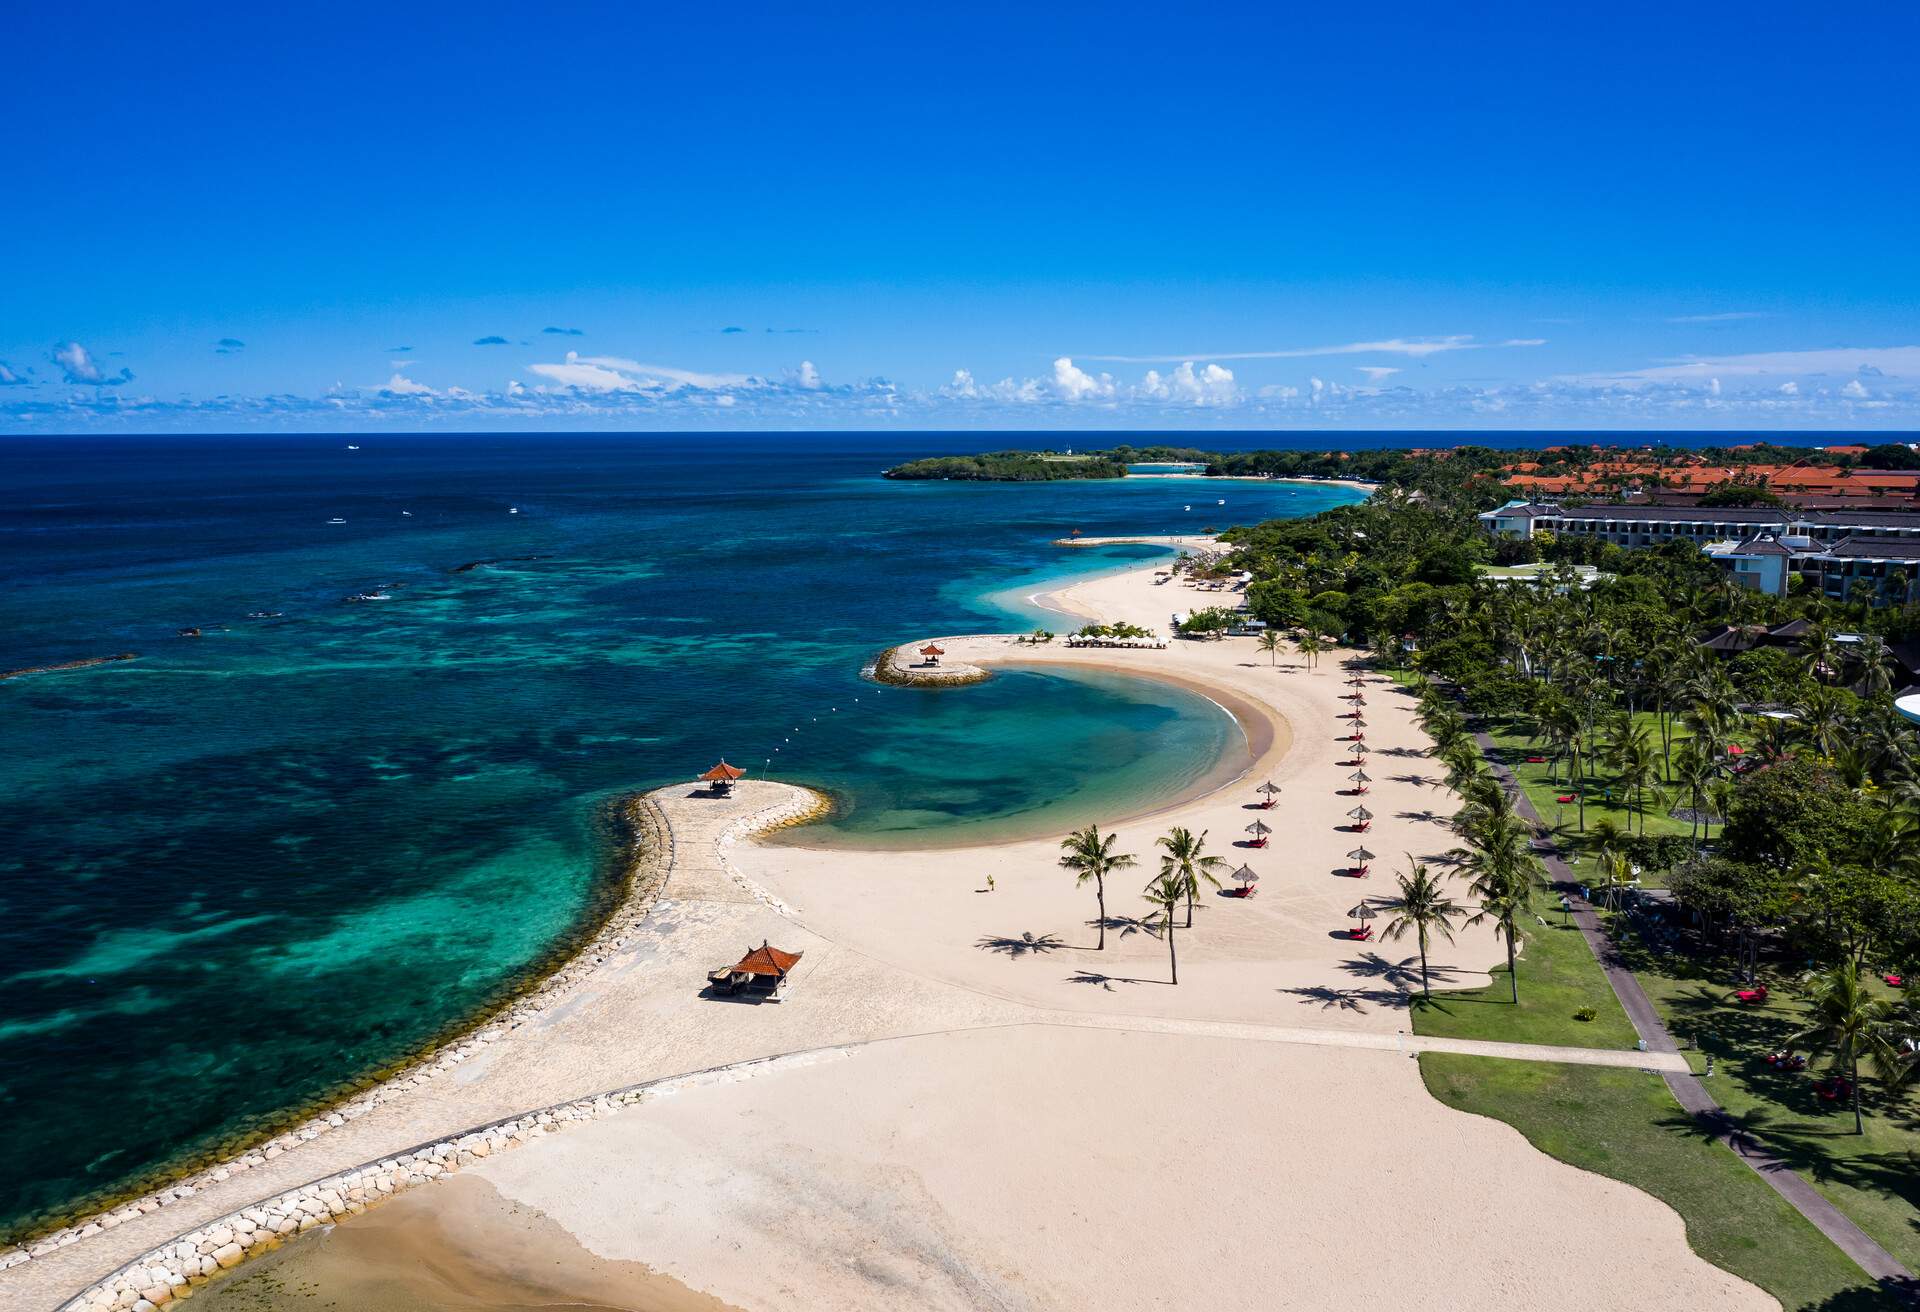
(1010, 467)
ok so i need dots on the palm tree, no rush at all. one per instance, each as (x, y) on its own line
(1634, 766)
(1186, 859)
(1872, 667)
(1310, 647)
(1165, 892)
(1696, 770)
(1270, 644)
(1091, 856)
(1423, 907)
(1821, 719)
(1847, 1021)
(1506, 896)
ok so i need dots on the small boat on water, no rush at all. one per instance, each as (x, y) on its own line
(352, 447)
(265, 614)
(407, 513)
(336, 520)
(371, 596)
(1221, 502)
(513, 510)
(1186, 507)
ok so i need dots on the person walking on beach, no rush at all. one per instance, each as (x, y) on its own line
(989, 883)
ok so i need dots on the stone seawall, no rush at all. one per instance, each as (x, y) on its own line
(901, 667)
(649, 857)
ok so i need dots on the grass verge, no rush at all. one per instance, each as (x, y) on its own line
(1625, 1125)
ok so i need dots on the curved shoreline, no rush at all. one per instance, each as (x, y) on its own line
(648, 856)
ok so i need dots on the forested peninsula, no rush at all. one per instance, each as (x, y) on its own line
(1010, 467)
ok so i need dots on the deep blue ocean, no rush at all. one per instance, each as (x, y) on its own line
(295, 848)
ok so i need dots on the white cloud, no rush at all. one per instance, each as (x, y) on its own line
(1789, 389)
(401, 385)
(1375, 372)
(1891, 361)
(1076, 384)
(1417, 347)
(806, 377)
(1855, 390)
(80, 368)
(1210, 385)
(1729, 316)
(1713, 386)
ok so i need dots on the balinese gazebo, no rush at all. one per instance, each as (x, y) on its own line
(765, 967)
(1269, 790)
(932, 653)
(722, 777)
(1259, 829)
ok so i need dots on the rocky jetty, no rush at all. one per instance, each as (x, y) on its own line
(905, 667)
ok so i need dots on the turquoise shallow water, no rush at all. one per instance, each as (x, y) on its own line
(295, 848)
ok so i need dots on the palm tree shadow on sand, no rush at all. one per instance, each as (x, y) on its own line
(1329, 998)
(1019, 945)
(1402, 976)
(1107, 981)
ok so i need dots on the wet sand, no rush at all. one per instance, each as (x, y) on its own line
(469, 1250)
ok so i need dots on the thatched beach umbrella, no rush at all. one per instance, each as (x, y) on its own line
(1364, 912)
(1360, 856)
(1360, 813)
(1247, 879)
(1259, 829)
(1269, 790)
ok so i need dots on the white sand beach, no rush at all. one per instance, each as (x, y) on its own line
(984, 1111)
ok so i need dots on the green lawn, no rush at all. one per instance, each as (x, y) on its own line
(1605, 799)
(1624, 1124)
(1873, 1177)
(1558, 976)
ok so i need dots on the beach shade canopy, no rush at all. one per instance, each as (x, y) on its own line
(1360, 854)
(1259, 827)
(1245, 875)
(1269, 788)
(1360, 749)
(767, 960)
(1360, 813)
(1355, 680)
(723, 774)
(931, 650)
(1361, 777)
(1359, 720)
(1364, 912)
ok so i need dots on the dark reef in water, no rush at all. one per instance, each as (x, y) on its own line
(57, 667)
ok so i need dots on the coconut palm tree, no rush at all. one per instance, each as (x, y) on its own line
(1091, 856)
(1165, 892)
(1186, 859)
(1821, 720)
(1848, 1023)
(1872, 667)
(1310, 648)
(1635, 765)
(1423, 907)
(1695, 769)
(1270, 644)
(1506, 894)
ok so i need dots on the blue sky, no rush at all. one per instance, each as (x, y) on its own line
(486, 216)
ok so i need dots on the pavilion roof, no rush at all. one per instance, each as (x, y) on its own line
(767, 960)
(723, 773)
(931, 650)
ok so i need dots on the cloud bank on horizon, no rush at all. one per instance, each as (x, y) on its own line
(1832, 387)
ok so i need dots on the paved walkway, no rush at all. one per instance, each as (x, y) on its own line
(1687, 1087)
